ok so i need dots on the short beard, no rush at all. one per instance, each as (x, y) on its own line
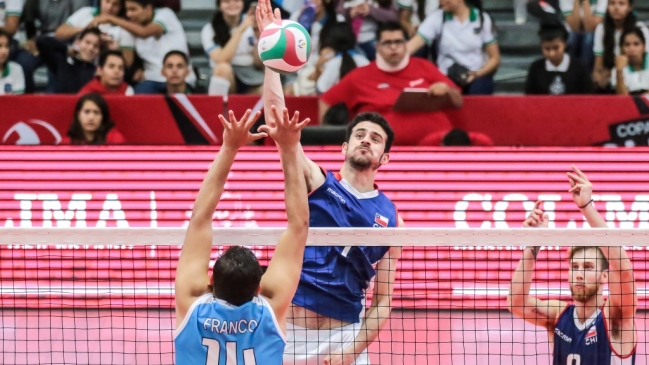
(586, 296)
(361, 164)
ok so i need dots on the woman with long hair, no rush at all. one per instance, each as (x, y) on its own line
(467, 50)
(12, 78)
(619, 19)
(91, 124)
(631, 74)
(230, 41)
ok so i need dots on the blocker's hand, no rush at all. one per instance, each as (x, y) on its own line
(537, 218)
(580, 187)
(236, 133)
(287, 131)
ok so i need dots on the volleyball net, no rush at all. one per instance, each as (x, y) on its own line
(106, 296)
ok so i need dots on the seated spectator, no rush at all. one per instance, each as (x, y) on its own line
(631, 74)
(457, 138)
(156, 32)
(467, 51)
(110, 76)
(10, 13)
(113, 37)
(42, 17)
(175, 69)
(75, 67)
(619, 18)
(337, 57)
(231, 44)
(557, 73)
(12, 80)
(583, 16)
(317, 16)
(365, 15)
(377, 86)
(92, 124)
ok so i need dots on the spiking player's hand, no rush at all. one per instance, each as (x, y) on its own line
(265, 15)
(287, 131)
(537, 218)
(236, 133)
(580, 187)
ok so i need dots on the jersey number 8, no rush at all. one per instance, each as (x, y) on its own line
(214, 353)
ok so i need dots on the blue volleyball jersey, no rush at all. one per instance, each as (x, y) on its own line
(334, 279)
(588, 345)
(215, 332)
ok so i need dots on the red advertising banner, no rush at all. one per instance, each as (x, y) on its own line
(180, 119)
(156, 187)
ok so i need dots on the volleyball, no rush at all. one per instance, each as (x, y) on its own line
(284, 47)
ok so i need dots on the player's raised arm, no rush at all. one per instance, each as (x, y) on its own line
(192, 279)
(539, 312)
(623, 299)
(279, 283)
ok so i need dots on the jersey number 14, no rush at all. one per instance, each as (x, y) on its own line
(214, 353)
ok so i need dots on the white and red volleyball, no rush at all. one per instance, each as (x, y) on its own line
(284, 47)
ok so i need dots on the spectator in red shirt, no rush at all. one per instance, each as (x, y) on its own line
(110, 76)
(377, 86)
(92, 124)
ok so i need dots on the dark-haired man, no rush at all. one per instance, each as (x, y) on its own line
(73, 71)
(328, 322)
(110, 76)
(240, 317)
(377, 86)
(175, 69)
(156, 32)
(591, 329)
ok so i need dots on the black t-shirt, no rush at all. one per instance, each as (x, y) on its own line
(575, 80)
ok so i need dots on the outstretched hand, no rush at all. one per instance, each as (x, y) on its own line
(236, 133)
(287, 131)
(537, 218)
(580, 187)
(266, 16)
(339, 357)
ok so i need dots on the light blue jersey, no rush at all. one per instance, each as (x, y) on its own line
(215, 332)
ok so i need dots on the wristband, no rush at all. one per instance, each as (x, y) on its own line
(585, 205)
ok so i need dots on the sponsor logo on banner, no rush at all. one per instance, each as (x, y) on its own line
(380, 220)
(634, 132)
(32, 132)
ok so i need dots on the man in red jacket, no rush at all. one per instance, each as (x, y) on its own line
(110, 76)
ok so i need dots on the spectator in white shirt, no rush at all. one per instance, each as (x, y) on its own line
(631, 74)
(113, 37)
(230, 42)
(10, 12)
(413, 12)
(583, 16)
(156, 32)
(12, 80)
(466, 42)
(619, 18)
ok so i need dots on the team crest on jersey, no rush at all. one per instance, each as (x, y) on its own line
(591, 336)
(380, 221)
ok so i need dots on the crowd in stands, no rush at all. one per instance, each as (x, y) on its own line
(446, 48)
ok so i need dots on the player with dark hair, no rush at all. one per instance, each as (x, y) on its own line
(328, 322)
(240, 317)
(591, 329)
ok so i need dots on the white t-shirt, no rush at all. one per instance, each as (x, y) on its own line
(12, 79)
(153, 49)
(316, 28)
(598, 46)
(463, 43)
(635, 80)
(331, 71)
(597, 7)
(243, 56)
(82, 17)
(431, 6)
(10, 7)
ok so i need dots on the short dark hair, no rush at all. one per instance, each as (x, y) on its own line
(144, 3)
(375, 118)
(389, 27)
(175, 53)
(87, 31)
(551, 31)
(456, 137)
(236, 275)
(103, 57)
(603, 262)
